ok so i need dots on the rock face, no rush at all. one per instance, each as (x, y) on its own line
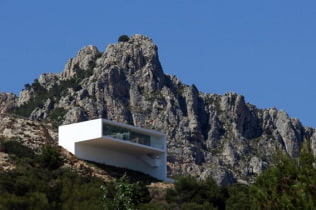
(220, 136)
(7, 102)
(30, 133)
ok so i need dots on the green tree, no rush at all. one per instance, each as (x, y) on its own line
(50, 157)
(238, 197)
(29, 186)
(56, 116)
(188, 192)
(124, 195)
(290, 184)
(27, 86)
(16, 148)
(123, 38)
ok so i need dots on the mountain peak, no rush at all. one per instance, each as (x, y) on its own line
(221, 136)
(84, 59)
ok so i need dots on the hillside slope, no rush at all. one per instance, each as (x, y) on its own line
(221, 136)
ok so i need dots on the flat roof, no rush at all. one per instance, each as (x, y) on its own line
(135, 128)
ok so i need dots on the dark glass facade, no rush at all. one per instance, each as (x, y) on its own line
(125, 134)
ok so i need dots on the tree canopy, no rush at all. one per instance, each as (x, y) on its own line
(123, 38)
(40, 182)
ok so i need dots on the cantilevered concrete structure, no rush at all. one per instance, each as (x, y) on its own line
(117, 144)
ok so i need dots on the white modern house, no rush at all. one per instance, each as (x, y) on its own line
(117, 144)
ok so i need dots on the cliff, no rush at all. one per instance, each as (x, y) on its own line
(221, 136)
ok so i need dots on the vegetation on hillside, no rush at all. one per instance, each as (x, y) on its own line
(290, 184)
(39, 181)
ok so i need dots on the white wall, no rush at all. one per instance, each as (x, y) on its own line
(121, 159)
(75, 138)
(69, 134)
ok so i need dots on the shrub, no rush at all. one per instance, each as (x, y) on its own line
(29, 187)
(189, 192)
(238, 197)
(50, 157)
(124, 195)
(57, 116)
(290, 184)
(27, 86)
(16, 148)
(123, 38)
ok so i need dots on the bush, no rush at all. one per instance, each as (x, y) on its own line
(124, 195)
(27, 187)
(239, 197)
(57, 116)
(123, 38)
(16, 148)
(50, 157)
(152, 206)
(290, 184)
(189, 192)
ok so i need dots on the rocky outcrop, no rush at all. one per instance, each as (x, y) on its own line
(221, 136)
(30, 133)
(84, 60)
(7, 102)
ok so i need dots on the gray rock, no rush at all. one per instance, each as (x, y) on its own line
(40, 113)
(25, 96)
(7, 102)
(48, 80)
(313, 142)
(290, 132)
(30, 133)
(256, 165)
(209, 135)
(75, 114)
(84, 60)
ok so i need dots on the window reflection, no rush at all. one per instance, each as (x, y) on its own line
(125, 134)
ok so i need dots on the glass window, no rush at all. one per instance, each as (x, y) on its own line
(125, 134)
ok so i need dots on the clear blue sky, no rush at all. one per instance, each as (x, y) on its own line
(262, 49)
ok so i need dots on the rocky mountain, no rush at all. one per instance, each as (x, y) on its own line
(221, 136)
